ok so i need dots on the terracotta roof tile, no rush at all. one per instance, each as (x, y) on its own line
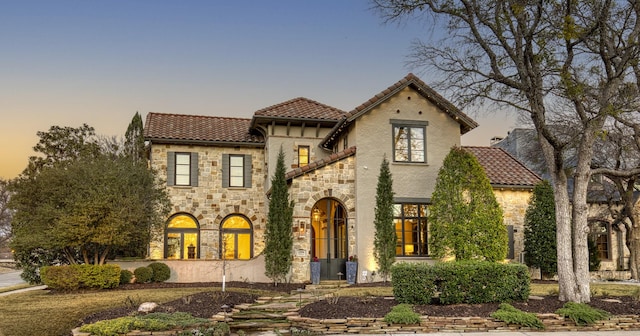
(301, 108)
(199, 128)
(502, 168)
(321, 163)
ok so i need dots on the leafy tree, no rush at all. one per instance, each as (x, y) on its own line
(278, 234)
(134, 139)
(384, 241)
(88, 203)
(465, 218)
(540, 230)
(5, 214)
(530, 56)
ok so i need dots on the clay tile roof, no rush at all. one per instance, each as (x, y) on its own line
(502, 168)
(321, 163)
(301, 108)
(426, 91)
(185, 128)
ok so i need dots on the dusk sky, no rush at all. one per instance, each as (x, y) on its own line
(68, 62)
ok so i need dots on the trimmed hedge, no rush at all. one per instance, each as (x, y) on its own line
(125, 276)
(72, 277)
(143, 274)
(161, 272)
(460, 282)
(413, 283)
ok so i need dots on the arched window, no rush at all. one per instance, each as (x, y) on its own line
(600, 235)
(236, 240)
(182, 238)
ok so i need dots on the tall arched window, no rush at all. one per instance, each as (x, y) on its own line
(182, 238)
(236, 239)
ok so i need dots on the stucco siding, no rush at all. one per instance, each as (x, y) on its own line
(373, 138)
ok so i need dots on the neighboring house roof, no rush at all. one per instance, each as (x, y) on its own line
(502, 169)
(321, 163)
(466, 123)
(177, 128)
(298, 109)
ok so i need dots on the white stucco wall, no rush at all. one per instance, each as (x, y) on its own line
(373, 138)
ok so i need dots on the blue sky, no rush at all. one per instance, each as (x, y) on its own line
(68, 62)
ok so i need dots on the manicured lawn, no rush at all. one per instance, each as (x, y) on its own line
(40, 313)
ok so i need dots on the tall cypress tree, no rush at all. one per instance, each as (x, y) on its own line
(465, 218)
(278, 233)
(540, 230)
(384, 241)
(134, 139)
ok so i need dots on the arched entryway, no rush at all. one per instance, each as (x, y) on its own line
(329, 238)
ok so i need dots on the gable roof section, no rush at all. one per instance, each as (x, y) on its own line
(502, 169)
(411, 80)
(192, 129)
(335, 157)
(298, 109)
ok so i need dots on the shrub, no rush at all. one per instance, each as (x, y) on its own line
(582, 314)
(413, 283)
(143, 274)
(99, 276)
(511, 315)
(161, 272)
(72, 277)
(64, 277)
(150, 322)
(481, 282)
(125, 276)
(402, 314)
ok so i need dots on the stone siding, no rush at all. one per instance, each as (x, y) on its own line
(336, 181)
(514, 203)
(209, 202)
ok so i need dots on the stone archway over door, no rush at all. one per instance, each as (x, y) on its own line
(329, 237)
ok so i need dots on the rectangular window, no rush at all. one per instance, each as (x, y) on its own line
(600, 237)
(409, 142)
(411, 225)
(303, 156)
(183, 169)
(236, 170)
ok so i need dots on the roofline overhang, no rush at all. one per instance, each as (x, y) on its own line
(256, 119)
(512, 186)
(204, 142)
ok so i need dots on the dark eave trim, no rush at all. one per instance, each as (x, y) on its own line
(204, 142)
(512, 186)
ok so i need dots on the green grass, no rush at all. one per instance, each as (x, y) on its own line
(41, 313)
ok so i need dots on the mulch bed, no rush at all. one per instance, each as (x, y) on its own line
(207, 304)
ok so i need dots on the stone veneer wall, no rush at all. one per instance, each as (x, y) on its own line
(336, 181)
(514, 205)
(209, 202)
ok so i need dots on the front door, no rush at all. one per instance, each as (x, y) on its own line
(329, 238)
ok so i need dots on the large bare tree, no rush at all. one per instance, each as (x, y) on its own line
(529, 55)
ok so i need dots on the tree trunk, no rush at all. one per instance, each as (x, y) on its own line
(633, 240)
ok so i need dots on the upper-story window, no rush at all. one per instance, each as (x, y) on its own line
(303, 156)
(236, 170)
(182, 169)
(409, 141)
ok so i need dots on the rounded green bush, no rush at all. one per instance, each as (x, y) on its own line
(125, 276)
(143, 274)
(161, 272)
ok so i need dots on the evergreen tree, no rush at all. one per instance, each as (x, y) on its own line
(278, 235)
(465, 218)
(134, 139)
(384, 241)
(540, 231)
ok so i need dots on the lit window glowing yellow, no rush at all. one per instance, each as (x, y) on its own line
(182, 222)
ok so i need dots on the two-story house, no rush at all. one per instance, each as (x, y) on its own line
(218, 171)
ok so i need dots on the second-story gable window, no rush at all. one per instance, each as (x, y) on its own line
(409, 141)
(303, 156)
(236, 171)
(182, 169)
